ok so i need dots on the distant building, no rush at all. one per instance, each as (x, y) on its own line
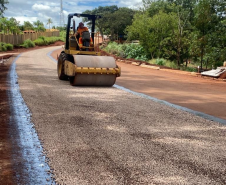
(51, 30)
(29, 31)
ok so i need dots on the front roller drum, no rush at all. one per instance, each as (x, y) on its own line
(87, 78)
(93, 80)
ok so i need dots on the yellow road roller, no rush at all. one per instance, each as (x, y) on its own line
(81, 62)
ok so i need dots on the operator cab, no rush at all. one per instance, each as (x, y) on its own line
(83, 44)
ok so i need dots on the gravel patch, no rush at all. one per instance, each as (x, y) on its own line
(96, 135)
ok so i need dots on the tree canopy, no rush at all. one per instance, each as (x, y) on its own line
(39, 26)
(9, 25)
(182, 30)
(49, 22)
(28, 25)
(114, 20)
(2, 6)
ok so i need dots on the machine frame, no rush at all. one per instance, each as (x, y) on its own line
(85, 66)
(71, 51)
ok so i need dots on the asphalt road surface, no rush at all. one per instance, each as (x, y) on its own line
(95, 135)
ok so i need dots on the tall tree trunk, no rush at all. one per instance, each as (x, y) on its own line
(202, 53)
(207, 62)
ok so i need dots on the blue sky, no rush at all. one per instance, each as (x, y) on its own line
(33, 10)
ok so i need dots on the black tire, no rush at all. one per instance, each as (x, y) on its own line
(60, 65)
(71, 80)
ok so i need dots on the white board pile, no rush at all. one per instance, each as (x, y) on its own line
(220, 71)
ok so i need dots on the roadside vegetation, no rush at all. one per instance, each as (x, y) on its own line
(182, 34)
(134, 51)
(12, 26)
(41, 41)
(6, 46)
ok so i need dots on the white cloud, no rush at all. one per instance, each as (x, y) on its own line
(22, 19)
(40, 7)
(33, 10)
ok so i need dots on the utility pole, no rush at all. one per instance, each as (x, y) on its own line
(61, 14)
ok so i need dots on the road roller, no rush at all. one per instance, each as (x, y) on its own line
(81, 62)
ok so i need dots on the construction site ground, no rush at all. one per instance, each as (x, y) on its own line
(181, 88)
(203, 94)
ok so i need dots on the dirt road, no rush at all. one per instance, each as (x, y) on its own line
(177, 87)
(99, 135)
(196, 93)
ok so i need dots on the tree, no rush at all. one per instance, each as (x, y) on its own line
(49, 22)
(151, 31)
(14, 25)
(38, 23)
(156, 6)
(205, 21)
(134, 32)
(114, 20)
(3, 24)
(60, 28)
(39, 26)
(178, 43)
(9, 25)
(101, 24)
(182, 29)
(2, 6)
(28, 26)
(116, 23)
(187, 6)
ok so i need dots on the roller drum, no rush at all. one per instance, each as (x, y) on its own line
(94, 79)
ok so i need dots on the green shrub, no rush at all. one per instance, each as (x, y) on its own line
(190, 69)
(28, 44)
(42, 37)
(135, 51)
(160, 61)
(3, 48)
(40, 42)
(9, 47)
(116, 49)
(6, 46)
(142, 57)
(112, 48)
(171, 64)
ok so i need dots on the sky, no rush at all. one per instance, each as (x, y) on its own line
(33, 10)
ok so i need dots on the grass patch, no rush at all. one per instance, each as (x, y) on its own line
(44, 41)
(163, 62)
